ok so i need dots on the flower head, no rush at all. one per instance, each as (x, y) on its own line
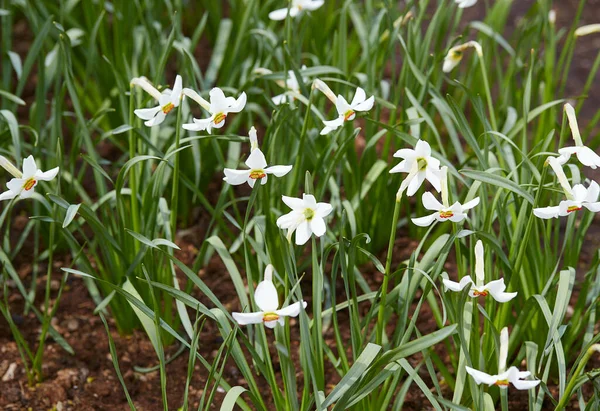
(23, 183)
(443, 211)
(219, 107)
(257, 167)
(463, 4)
(584, 154)
(496, 289)
(306, 218)
(347, 111)
(266, 299)
(455, 54)
(504, 377)
(420, 165)
(297, 7)
(291, 85)
(167, 101)
(578, 197)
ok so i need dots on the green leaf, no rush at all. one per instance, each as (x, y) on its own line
(70, 215)
(231, 398)
(498, 181)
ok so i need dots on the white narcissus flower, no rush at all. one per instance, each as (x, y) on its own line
(463, 4)
(347, 111)
(266, 299)
(292, 86)
(443, 211)
(504, 377)
(219, 107)
(420, 166)
(257, 165)
(306, 218)
(495, 289)
(167, 101)
(296, 8)
(455, 55)
(578, 197)
(584, 154)
(23, 183)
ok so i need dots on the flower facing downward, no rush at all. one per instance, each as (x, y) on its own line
(504, 377)
(495, 289)
(463, 4)
(219, 107)
(347, 112)
(24, 182)
(257, 165)
(578, 197)
(167, 101)
(420, 166)
(443, 211)
(296, 8)
(306, 218)
(455, 54)
(584, 154)
(266, 299)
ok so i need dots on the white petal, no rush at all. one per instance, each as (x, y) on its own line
(218, 102)
(265, 296)
(290, 220)
(593, 207)
(454, 286)
(303, 233)
(317, 226)
(312, 5)
(359, 97)
(469, 205)
(334, 124)
(309, 200)
(431, 203)
(279, 99)
(593, 192)
(277, 15)
(293, 202)
(405, 153)
(27, 193)
(323, 209)
(479, 263)
(481, 377)
(239, 104)
(248, 318)
(271, 324)
(156, 120)
(365, 105)
(415, 183)
(256, 160)
(236, 177)
(198, 124)
(8, 195)
(422, 149)
(434, 178)
(325, 131)
(147, 113)
(291, 310)
(176, 93)
(16, 184)
(29, 167)
(425, 221)
(546, 212)
(342, 105)
(46, 176)
(278, 171)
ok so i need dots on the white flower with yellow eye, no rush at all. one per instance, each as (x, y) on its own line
(584, 154)
(420, 166)
(456, 53)
(296, 8)
(23, 183)
(347, 111)
(218, 107)
(306, 218)
(167, 101)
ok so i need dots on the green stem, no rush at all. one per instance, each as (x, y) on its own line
(175, 192)
(300, 156)
(488, 93)
(567, 395)
(133, 180)
(387, 274)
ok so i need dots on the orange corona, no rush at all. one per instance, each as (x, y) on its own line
(219, 118)
(257, 174)
(29, 184)
(446, 214)
(572, 209)
(348, 114)
(167, 108)
(270, 317)
(483, 293)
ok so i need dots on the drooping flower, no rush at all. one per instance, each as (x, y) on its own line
(292, 87)
(219, 107)
(23, 183)
(297, 7)
(504, 377)
(496, 289)
(347, 111)
(257, 165)
(578, 197)
(584, 154)
(167, 101)
(588, 29)
(463, 4)
(455, 55)
(266, 299)
(420, 166)
(306, 218)
(443, 211)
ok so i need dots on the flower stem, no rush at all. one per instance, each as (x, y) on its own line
(133, 178)
(567, 394)
(175, 192)
(488, 93)
(386, 276)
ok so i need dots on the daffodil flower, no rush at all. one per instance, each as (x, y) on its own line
(219, 107)
(257, 167)
(443, 211)
(266, 299)
(167, 101)
(495, 289)
(291, 85)
(306, 218)
(23, 183)
(297, 7)
(420, 166)
(455, 54)
(463, 4)
(504, 377)
(347, 112)
(578, 197)
(584, 154)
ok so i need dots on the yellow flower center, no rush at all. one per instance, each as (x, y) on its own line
(29, 184)
(309, 213)
(456, 55)
(270, 317)
(257, 174)
(502, 383)
(168, 107)
(421, 163)
(446, 214)
(573, 208)
(483, 293)
(220, 117)
(348, 114)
